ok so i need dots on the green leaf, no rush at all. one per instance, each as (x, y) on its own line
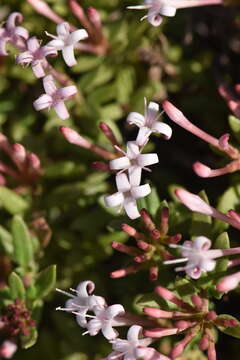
(11, 201)
(235, 332)
(222, 242)
(17, 289)
(230, 199)
(23, 249)
(125, 84)
(201, 223)
(234, 124)
(6, 242)
(146, 300)
(46, 281)
(28, 341)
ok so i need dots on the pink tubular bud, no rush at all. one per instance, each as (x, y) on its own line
(197, 301)
(160, 332)
(223, 142)
(158, 313)
(164, 220)
(94, 17)
(201, 169)
(149, 224)
(153, 273)
(179, 348)
(212, 351)
(107, 131)
(211, 316)
(123, 272)
(170, 296)
(183, 324)
(100, 166)
(229, 283)
(155, 234)
(204, 343)
(129, 230)
(195, 203)
(74, 138)
(143, 245)
(42, 8)
(141, 258)
(234, 215)
(2, 180)
(7, 349)
(174, 239)
(19, 153)
(226, 323)
(124, 248)
(34, 161)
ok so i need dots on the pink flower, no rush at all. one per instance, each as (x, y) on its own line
(83, 301)
(13, 34)
(229, 283)
(134, 348)
(199, 257)
(35, 56)
(66, 41)
(54, 97)
(158, 8)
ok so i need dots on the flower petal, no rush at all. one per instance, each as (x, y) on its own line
(122, 182)
(208, 264)
(167, 10)
(108, 331)
(24, 58)
(49, 85)
(3, 51)
(143, 135)
(151, 113)
(134, 333)
(132, 149)
(147, 159)
(67, 91)
(61, 110)
(114, 310)
(194, 273)
(76, 36)
(140, 191)
(202, 243)
(38, 69)
(120, 163)
(21, 31)
(63, 30)
(154, 18)
(135, 173)
(33, 44)
(85, 288)
(136, 119)
(81, 318)
(131, 209)
(43, 102)
(68, 55)
(57, 44)
(94, 326)
(162, 128)
(114, 200)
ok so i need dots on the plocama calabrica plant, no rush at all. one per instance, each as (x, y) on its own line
(179, 246)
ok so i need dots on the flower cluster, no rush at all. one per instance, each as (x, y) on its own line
(104, 319)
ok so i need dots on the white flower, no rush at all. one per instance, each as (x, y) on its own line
(198, 256)
(127, 195)
(83, 301)
(66, 41)
(156, 8)
(149, 123)
(104, 320)
(134, 348)
(134, 162)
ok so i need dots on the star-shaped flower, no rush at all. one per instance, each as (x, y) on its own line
(82, 301)
(148, 123)
(66, 41)
(36, 56)
(104, 320)
(127, 195)
(134, 162)
(54, 97)
(134, 348)
(13, 34)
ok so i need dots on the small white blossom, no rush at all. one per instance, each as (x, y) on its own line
(104, 320)
(66, 41)
(134, 162)
(127, 195)
(83, 301)
(148, 123)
